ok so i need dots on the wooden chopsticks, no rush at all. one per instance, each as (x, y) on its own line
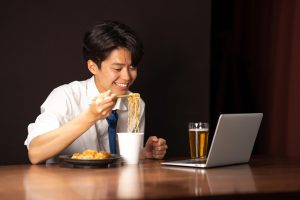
(123, 96)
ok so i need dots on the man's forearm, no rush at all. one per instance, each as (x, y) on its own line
(50, 144)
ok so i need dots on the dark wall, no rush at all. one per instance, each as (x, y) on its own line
(41, 49)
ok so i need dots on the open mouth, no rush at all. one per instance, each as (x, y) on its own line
(122, 85)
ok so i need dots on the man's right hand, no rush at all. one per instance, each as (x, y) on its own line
(102, 105)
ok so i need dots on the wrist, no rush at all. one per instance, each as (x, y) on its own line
(146, 154)
(89, 117)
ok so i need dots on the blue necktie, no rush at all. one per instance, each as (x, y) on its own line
(112, 120)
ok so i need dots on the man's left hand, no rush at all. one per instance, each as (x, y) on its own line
(155, 148)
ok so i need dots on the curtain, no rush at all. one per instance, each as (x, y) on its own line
(256, 68)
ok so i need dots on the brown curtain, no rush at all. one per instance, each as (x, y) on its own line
(256, 68)
(284, 58)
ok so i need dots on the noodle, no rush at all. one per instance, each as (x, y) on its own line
(133, 112)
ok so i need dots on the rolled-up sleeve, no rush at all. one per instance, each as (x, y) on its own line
(53, 115)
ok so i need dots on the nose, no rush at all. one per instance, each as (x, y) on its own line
(125, 74)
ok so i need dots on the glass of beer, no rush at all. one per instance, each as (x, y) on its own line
(198, 139)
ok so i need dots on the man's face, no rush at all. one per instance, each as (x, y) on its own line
(116, 72)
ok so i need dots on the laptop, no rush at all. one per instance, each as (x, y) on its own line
(232, 143)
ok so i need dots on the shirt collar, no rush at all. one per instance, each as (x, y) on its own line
(92, 91)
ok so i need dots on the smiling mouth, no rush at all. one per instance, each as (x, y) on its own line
(122, 85)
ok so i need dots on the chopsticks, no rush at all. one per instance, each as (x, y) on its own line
(129, 95)
(123, 96)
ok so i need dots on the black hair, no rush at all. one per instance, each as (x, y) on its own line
(108, 36)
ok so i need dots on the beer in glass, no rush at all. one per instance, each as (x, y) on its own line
(198, 139)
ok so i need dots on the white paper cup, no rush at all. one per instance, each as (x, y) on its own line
(130, 146)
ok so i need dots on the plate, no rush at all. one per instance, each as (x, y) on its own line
(89, 163)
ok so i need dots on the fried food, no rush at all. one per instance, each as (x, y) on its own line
(91, 154)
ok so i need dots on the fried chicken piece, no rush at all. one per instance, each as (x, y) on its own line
(91, 154)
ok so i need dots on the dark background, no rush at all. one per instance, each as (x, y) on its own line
(255, 67)
(202, 58)
(41, 49)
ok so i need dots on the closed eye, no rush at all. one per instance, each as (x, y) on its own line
(117, 69)
(132, 67)
(117, 66)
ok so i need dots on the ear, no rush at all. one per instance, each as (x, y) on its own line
(92, 66)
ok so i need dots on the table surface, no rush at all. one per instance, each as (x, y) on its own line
(263, 178)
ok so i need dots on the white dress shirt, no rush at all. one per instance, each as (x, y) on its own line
(68, 101)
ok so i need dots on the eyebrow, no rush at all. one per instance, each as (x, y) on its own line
(120, 64)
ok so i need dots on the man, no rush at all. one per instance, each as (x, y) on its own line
(74, 116)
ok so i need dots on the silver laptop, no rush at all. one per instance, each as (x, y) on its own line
(232, 143)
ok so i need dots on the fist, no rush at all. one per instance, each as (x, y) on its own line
(155, 148)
